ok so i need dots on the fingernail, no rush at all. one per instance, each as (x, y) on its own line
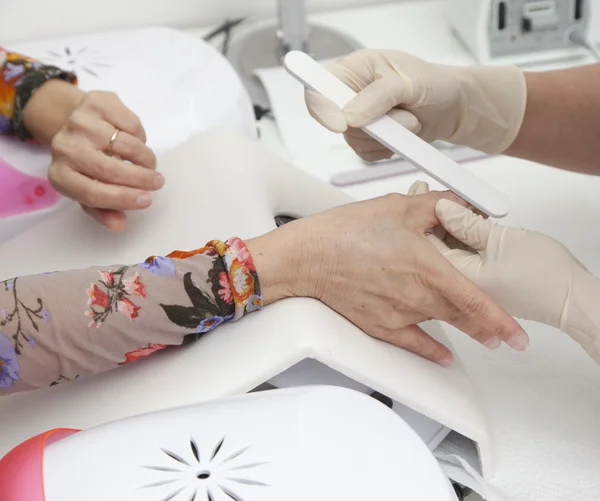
(159, 181)
(144, 200)
(519, 342)
(493, 343)
(447, 362)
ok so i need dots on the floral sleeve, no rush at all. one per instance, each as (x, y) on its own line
(61, 326)
(20, 77)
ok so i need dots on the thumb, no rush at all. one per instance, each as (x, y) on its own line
(325, 111)
(418, 188)
(469, 228)
(114, 220)
(375, 100)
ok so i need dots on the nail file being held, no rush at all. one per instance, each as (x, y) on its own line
(401, 141)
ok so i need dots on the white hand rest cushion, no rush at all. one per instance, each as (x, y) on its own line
(221, 185)
(312, 443)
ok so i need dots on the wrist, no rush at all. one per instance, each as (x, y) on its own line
(581, 318)
(493, 107)
(49, 108)
(279, 258)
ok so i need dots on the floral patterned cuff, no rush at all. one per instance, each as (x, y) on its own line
(20, 77)
(238, 280)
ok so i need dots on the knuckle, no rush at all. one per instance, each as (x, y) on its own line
(392, 320)
(416, 344)
(97, 99)
(152, 160)
(92, 196)
(417, 299)
(97, 169)
(474, 307)
(92, 98)
(395, 200)
(76, 119)
(125, 148)
(55, 176)
(59, 145)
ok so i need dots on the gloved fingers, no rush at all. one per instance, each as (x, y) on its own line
(366, 147)
(406, 119)
(375, 156)
(370, 149)
(469, 228)
(418, 188)
(438, 243)
(325, 111)
(361, 142)
(375, 100)
(403, 117)
(464, 260)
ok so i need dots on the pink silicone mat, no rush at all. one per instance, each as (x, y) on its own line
(21, 193)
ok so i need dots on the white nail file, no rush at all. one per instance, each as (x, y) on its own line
(401, 141)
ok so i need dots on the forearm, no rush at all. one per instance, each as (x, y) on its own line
(561, 125)
(22, 109)
(61, 326)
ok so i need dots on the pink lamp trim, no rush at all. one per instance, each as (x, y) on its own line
(22, 469)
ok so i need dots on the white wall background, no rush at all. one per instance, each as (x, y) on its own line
(31, 19)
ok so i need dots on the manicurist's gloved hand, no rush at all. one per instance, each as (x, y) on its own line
(531, 275)
(477, 106)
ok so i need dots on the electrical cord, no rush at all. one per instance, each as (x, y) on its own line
(579, 38)
(225, 29)
(260, 112)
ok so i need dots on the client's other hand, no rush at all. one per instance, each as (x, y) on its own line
(371, 262)
(100, 159)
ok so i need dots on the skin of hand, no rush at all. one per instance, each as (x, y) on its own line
(78, 126)
(531, 275)
(371, 262)
(477, 106)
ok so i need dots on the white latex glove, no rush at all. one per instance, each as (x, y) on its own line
(531, 275)
(477, 106)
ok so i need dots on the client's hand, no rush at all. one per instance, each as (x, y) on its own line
(531, 275)
(106, 173)
(371, 262)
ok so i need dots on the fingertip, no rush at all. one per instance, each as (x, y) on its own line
(406, 119)
(114, 220)
(447, 361)
(443, 206)
(519, 341)
(325, 112)
(418, 188)
(493, 343)
(143, 200)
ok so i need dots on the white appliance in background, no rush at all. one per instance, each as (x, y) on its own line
(177, 84)
(318, 444)
(522, 32)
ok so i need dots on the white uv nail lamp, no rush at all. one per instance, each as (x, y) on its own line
(401, 141)
(307, 443)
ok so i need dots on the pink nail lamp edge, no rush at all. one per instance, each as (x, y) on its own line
(22, 469)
